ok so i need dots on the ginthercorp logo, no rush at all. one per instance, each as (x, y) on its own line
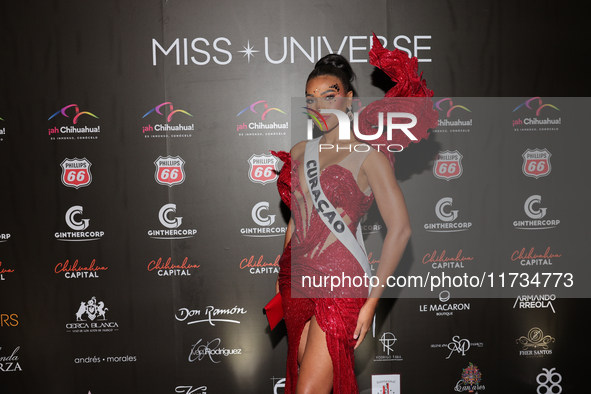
(261, 217)
(170, 170)
(447, 165)
(447, 216)
(168, 219)
(91, 317)
(73, 112)
(264, 126)
(278, 383)
(385, 384)
(76, 172)
(75, 220)
(535, 344)
(549, 381)
(446, 105)
(166, 111)
(535, 107)
(263, 168)
(470, 381)
(536, 163)
(533, 209)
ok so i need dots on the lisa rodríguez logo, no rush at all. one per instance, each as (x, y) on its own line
(443, 308)
(536, 213)
(388, 340)
(76, 221)
(211, 350)
(536, 106)
(447, 165)
(91, 317)
(457, 345)
(209, 315)
(385, 384)
(163, 130)
(172, 224)
(538, 301)
(10, 363)
(76, 172)
(75, 271)
(447, 216)
(170, 170)
(262, 126)
(536, 163)
(263, 168)
(68, 132)
(265, 223)
(170, 269)
(535, 344)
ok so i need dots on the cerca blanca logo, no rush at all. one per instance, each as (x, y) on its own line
(91, 317)
(264, 221)
(447, 216)
(172, 223)
(75, 220)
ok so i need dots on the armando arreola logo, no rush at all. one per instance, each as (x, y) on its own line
(170, 170)
(167, 129)
(447, 216)
(76, 172)
(536, 213)
(74, 112)
(265, 223)
(91, 317)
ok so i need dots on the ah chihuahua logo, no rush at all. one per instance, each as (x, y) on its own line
(263, 127)
(538, 109)
(459, 124)
(158, 110)
(536, 122)
(77, 114)
(170, 130)
(73, 112)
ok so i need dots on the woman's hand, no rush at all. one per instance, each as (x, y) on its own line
(364, 320)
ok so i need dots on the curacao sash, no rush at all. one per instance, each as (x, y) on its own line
(327, 212)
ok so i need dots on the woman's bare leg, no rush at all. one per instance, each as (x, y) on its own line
(315, 376)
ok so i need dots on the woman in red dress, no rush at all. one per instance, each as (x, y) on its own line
(324, 327)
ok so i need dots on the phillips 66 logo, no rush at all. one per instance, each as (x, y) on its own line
(170, 170)
(76, 172)
(536, 163)
(448, 165)
(263, 168)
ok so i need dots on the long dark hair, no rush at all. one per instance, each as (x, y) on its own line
(336, 66)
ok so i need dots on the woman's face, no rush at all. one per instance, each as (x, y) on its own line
(327, 92)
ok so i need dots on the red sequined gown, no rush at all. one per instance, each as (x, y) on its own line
(314, 250)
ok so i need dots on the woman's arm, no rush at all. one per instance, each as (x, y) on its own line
(392, 207)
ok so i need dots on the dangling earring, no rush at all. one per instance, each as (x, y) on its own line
(350, 113)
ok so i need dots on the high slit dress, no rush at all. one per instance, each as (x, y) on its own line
(314, 250)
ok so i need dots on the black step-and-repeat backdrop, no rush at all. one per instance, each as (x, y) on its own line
(140, 225)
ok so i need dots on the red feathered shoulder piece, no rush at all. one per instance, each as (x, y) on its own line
(284, 180)
(410, 95)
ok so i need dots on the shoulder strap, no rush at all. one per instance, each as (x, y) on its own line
(328, 212)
